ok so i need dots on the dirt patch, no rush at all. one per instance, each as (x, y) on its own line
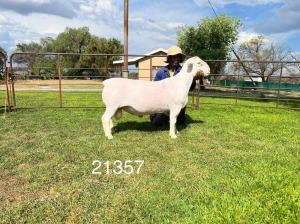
(66, 84)
(11, 189)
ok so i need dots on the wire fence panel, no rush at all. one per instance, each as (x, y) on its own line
(54, 81)
(234, 86)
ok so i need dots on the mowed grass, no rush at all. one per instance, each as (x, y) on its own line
(235, 165)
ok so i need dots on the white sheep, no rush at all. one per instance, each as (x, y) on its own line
(141, 97)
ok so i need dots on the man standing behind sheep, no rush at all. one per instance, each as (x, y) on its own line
(174, 57)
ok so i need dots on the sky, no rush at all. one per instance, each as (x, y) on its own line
(152, 23)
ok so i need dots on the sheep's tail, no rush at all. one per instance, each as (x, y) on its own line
(118, 113)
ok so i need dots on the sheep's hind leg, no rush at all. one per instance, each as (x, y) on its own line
(117, 115)
(107, 122)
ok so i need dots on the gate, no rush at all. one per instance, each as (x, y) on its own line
(4, 84)
(50, 82)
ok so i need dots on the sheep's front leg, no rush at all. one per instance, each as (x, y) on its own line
(173, 119)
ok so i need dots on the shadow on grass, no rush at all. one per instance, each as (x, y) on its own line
(2, 110)
(284, 99)
(147, 127)
(291, 105)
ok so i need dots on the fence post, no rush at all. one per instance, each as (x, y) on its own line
(6, 103)
(106, 68)
(238, 84)
(10, 71)
(197, 107)
(279, 85)
(59, 80)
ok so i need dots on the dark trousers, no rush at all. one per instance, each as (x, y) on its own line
(163, 118)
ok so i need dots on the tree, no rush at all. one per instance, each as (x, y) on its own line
(210, 39)
(27, 59)
(3, 51)
(101, 46)
(44, 64)
(262, 53)
(47, 44)
(80, 41)
(296, 58)
(72, 40)
(2, 62)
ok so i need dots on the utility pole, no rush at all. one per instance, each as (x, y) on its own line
(125, 67)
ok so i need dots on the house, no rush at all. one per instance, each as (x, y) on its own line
(148, 64)
(253, 78)
(251, 82)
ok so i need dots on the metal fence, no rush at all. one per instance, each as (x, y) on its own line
(59, 85)
(239, 87)
(4, 83)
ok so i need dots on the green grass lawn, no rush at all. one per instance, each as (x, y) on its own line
(235, 165)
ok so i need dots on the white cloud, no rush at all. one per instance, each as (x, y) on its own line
(279, 39)
(2, 19)
(6, 20)
(61, 8)
(245, 37)
(152, 24)
(105, 9)
(286, 19)
(31, 1)
(163, 37)
(222, 3)
(6, 41)
(173, 25)
(142, 24)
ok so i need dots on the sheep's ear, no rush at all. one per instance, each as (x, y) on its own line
(190, 67)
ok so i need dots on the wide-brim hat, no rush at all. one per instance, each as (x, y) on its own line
(175, 50)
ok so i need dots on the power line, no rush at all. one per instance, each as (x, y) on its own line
(232, 47)
(213, 9)
(217, 17)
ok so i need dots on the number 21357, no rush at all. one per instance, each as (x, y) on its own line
(117, 167)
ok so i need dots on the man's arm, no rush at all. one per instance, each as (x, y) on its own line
(158, 76)
(198, 75)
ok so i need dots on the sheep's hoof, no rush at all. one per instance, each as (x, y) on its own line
(109, 137)
(173, 136)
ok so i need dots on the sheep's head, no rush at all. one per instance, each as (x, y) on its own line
(195, 64)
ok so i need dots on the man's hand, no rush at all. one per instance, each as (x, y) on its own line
(199, 74)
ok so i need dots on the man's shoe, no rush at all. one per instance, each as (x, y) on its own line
(185, 126)
(113, 130)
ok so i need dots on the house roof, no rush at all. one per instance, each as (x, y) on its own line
(134, 61)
